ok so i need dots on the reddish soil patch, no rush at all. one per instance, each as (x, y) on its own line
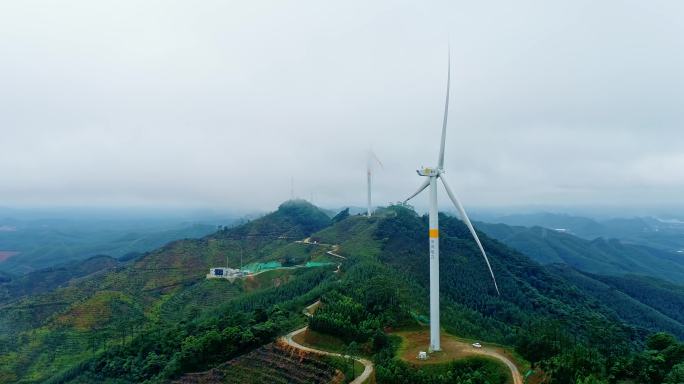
(417, 341)
(4, 255)
(537, 378)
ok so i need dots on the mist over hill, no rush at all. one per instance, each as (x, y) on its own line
(663, 234)
(36, 239)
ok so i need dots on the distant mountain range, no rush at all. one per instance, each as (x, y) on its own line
(663, 234)
(599, 256)
(36, 244)
(156, 317)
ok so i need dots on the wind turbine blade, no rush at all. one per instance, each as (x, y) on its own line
(467, 222)
(420, 189)
(372, 158)
(440, 163)
(376, 159)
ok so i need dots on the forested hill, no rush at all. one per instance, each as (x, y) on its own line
(646, 303)
(548, 318)
(667, 235)
(48, 279)
(40, 244)
(599, 256)
(48, 325)
(527, 287)
(157, 317)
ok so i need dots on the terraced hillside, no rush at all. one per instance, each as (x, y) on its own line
(272, 363)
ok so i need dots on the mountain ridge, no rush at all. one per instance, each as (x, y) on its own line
(157, 316)
(601, 256)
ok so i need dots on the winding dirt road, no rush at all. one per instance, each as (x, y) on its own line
(308, 312)
(367, 364)
(452, 349)
(517, 377)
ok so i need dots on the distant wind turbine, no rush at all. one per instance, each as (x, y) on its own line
(432, 175)
(372, 159)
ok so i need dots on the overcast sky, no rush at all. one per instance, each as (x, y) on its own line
(220, 103)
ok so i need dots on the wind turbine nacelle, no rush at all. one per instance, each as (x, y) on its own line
(430, 172)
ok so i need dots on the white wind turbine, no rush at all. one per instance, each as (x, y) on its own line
(369, 170)
(432, 175)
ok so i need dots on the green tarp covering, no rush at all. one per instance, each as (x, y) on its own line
(318, 263)
(258, 267)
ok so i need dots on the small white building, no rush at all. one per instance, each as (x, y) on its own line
(422, 355)
(225, 273)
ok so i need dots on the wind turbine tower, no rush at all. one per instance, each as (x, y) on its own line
(369, 177)
(432, 174)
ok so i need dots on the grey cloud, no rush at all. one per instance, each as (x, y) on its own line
(221, 103)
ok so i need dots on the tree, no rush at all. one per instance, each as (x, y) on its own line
(352, 350)
(676, 375)
(343, 214)
(661, 340)
(591, 380)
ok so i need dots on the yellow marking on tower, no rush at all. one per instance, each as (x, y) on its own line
(434, 233)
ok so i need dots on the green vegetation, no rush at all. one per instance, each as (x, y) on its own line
(343, 214)
(46, 243)
(156, 318)
(665, 297)
(648, 231)
(474, 370)
(322, 341)
(655, 313)
(349, 367)
(45, 280)
(164, 351)
(567, 330)
(599, 256)
(164, 293)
